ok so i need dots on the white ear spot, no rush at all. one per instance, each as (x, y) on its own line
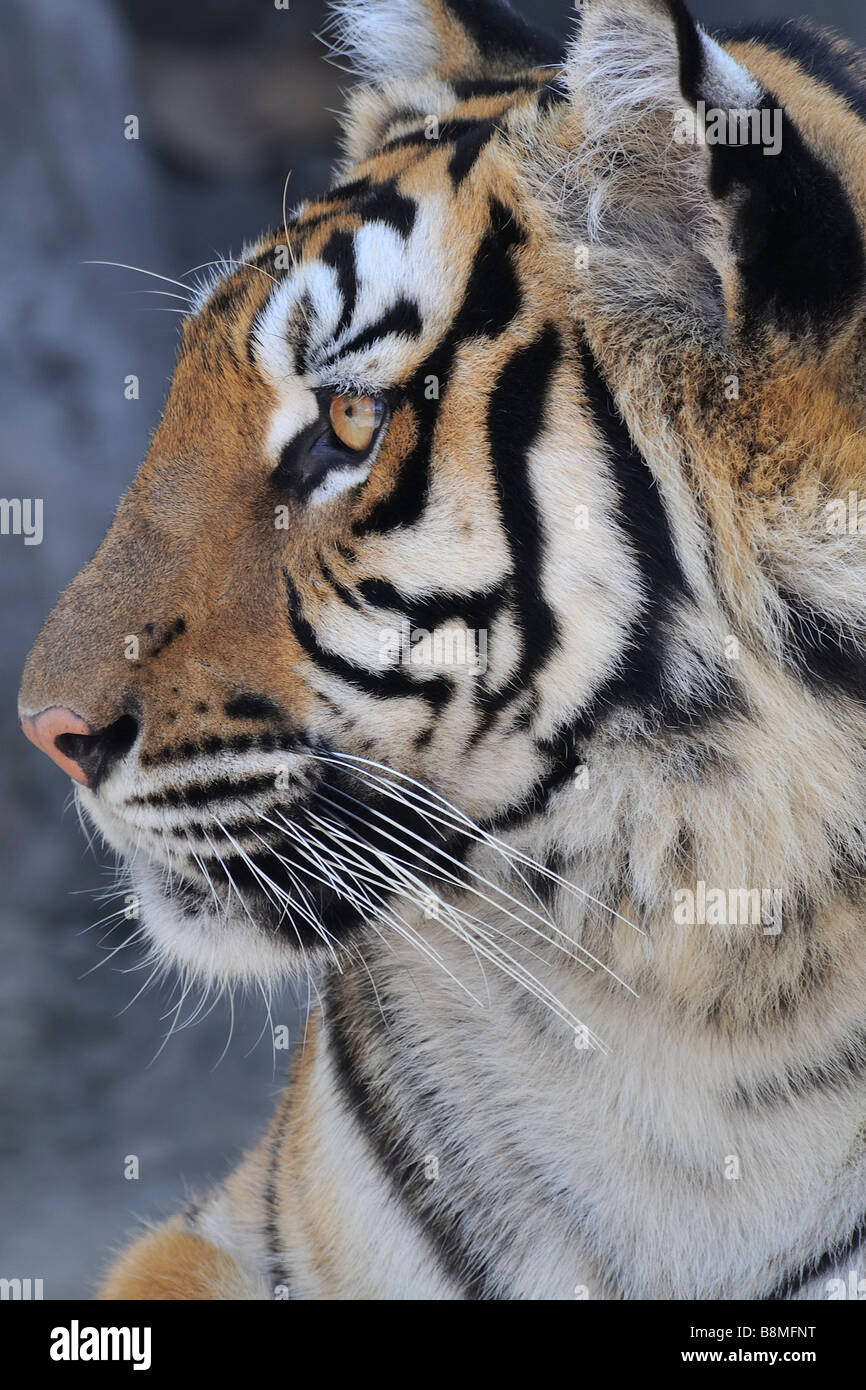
(382, 39)
(726, 83)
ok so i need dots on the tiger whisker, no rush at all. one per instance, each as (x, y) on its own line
(111, 954)
(221, 862)
(475, 831)
(271, 890)
(312, 917)
(469, 887)
(497, 955)
(229, 260)
(416, 802)
(360, 900)
(459, 916)
(201, 864)
(169, 294)
(120, 265)
(231, 1032)
(387, 912)
(308, 912)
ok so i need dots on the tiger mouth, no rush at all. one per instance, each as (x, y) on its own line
(302, 873)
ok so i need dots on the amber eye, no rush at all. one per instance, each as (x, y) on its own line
(354, 420)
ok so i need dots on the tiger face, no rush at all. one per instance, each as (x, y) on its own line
(472, 467)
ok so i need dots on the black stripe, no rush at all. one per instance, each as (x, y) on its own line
(552, 94)
(250, 706)
(378, 202)
(515, 419)
(498, 31)
(468, 136)
(403, 318)
(399, 115)
(638, 681)
(691, 52)
(565, 752)
(448, 131)
(799, 248)
(385, 203)
(339, 253)
(430, 611)
(346, 192)
(375, 202)
(493, 297)
(835, 1072)
(212, 743)
(201, 794)
(344, 594)
(641, 512)
(264, 259)
(468, 150)
(272, 1204)
(468, 88)
(386, 683)
(642, 518)
(822, 652)
(398, 1162)
(821, 1266)
(243, 831)
(490, 302)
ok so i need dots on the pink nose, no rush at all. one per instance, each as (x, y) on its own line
(52, 724)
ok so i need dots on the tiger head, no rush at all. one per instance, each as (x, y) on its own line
(491, 493)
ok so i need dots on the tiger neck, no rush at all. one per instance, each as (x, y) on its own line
(719, 876)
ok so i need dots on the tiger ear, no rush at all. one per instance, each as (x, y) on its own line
(651, 53)
(696, 187)
(383, 40)
(638, 171)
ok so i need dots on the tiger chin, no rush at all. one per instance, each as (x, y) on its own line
(484, 633)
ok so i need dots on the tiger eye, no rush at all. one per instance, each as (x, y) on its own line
(354, 420)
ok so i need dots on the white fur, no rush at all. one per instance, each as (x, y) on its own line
(379, 39)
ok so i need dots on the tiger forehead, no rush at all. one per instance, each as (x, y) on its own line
(450, 113)
(440, 150)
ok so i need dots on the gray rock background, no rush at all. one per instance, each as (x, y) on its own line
(230, 95)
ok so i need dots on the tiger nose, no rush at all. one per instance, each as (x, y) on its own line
(84, 753)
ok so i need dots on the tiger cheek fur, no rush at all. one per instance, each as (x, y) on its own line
(484, 633)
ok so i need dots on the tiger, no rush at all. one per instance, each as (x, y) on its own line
(483, 641)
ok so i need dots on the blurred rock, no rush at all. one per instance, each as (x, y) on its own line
(79, 1086)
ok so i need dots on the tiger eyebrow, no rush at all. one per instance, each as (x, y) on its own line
(403, 317)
